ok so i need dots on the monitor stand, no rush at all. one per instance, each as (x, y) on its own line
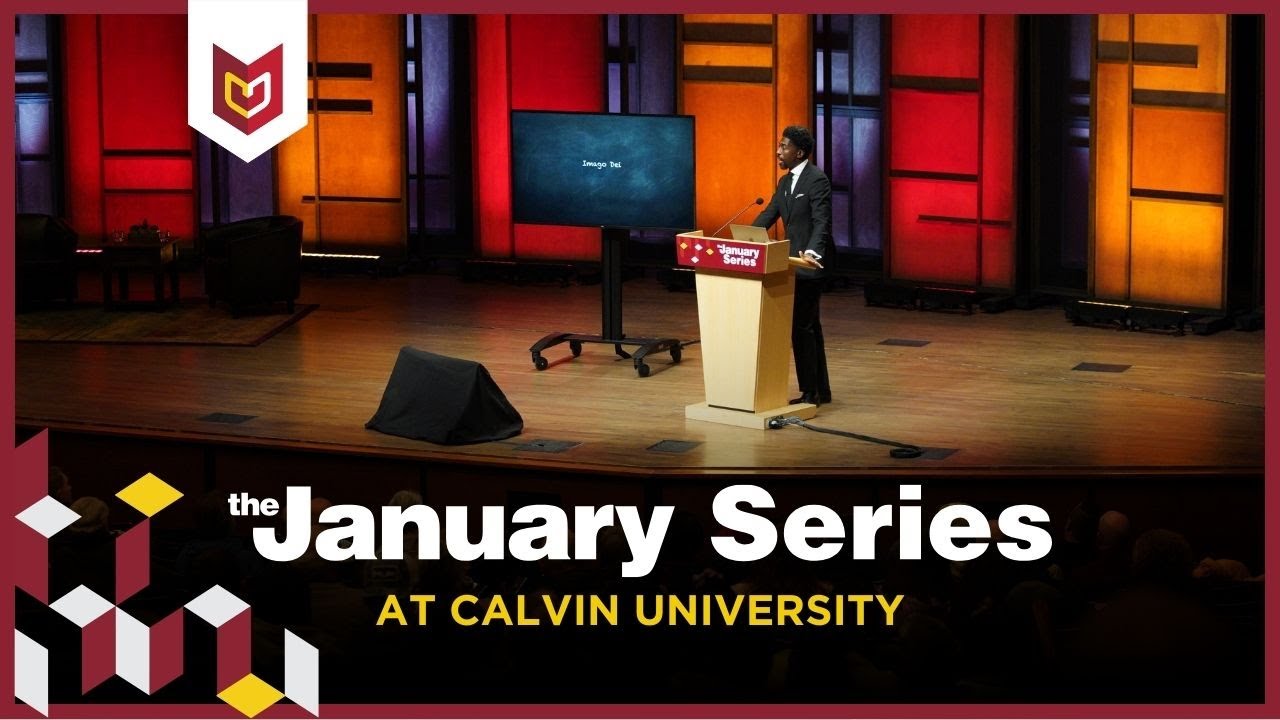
(611, 247)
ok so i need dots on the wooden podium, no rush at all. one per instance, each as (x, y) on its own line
(745, 294)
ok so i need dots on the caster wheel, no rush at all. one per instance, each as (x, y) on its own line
(675, 354)
(575, 347)
(540, 362)
(642, 370)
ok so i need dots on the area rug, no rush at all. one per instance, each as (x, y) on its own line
(193, 323)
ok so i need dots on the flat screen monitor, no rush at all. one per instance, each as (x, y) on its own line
(596, 169)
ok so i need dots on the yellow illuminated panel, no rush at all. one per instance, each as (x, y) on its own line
(1177, 253)
(1111, 182)
(1179, 150)
(1207, 33)
(1113, 28)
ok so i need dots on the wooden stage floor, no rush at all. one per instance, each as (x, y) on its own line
(998, 390)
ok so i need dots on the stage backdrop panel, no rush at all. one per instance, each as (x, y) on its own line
(950, 146)
(129, 156)
(745, 78)
(344, 174)
(529, 62)
(1159, 179)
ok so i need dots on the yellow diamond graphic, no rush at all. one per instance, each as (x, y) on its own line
(710, 251)
(250, 695)
(149, 494)
(684, 246)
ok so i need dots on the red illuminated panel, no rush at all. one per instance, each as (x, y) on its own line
(492, 109)
(130, 155)
(84, 147)
(998, 118)
(935, 45)
(997, 255)
(932, 240)
(167, 212)
(147, 173)
(144, 82)
(556, 62)
(934, 132)
(952, 121)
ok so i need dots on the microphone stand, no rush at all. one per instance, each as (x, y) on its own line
(757, 201)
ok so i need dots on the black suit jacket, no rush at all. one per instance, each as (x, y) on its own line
(806, 215)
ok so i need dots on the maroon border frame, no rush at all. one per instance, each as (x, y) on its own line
(1270, 708)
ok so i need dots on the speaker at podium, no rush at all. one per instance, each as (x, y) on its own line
(746, 289)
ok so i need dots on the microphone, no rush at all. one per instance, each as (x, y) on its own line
(757, 201)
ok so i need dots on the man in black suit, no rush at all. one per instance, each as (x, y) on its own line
(803, 201)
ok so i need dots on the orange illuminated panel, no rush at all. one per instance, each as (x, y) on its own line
(361, 225)
(794, 73)
(355, 137)
(739, 121)
(728, 18)
(296, 177)
(733, 148)
(1111, 182)
(1177, 253)
(1113, 28)
(728, 55)
(1206, 33)
(1179, 150)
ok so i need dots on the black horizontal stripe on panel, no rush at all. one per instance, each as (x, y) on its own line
(350, 199)
(728, 33)
(340, 70)
(862, 106)
(147, 153)
(31, 66)
(327, 105)
(1166, 54)
(615, 55)
(40, 88)
(947, 219)
(34, 157)
(1079, 87)
(1176, 195)
(1080, 142)
(939, 84)
(1180, 99)
(147, 191)
(759, 75)
(1113, 50)
(929, 175)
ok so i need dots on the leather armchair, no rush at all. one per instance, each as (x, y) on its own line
(45, 257)
(253, 262)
